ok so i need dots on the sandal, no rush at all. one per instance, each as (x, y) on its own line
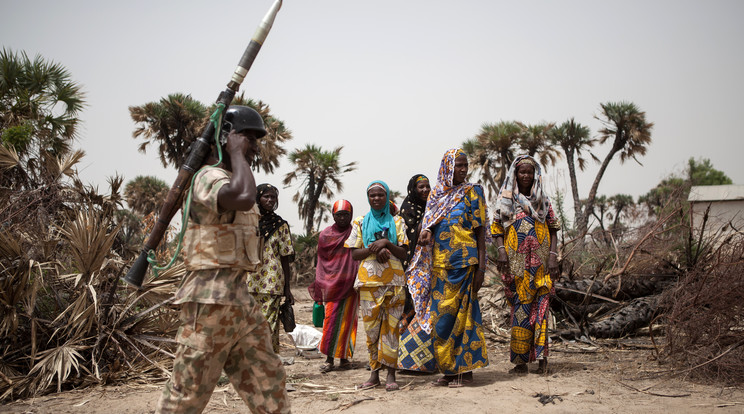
(391, 386)
(442, 382)
(461, 380)
(326, 367)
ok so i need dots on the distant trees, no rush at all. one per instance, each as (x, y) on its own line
(39, 108)
(625, 126)
(575, 140)
(175, 121)
(145, 194)
(675, 189)
(318, 173)
(172, 124)
(492, 150)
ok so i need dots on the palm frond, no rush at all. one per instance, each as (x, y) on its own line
(8, 158)
(57, 363)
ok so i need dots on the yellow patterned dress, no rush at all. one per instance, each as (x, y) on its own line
(528, 285)
(381, 297)
(457, 333)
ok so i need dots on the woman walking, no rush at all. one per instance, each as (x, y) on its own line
(524, 228)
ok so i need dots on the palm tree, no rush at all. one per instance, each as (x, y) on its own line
(395, 195)
(491, 151)
(574, 139)
(39, 108)
(145, 194)
(172, 123)
(319, 173)
(175, 121)
(535, 141)
(323, 211)
(626, 125)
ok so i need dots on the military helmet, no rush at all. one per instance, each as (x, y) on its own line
(241, 118)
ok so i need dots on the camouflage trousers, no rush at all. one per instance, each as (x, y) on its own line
(270, 309)
(236, 338)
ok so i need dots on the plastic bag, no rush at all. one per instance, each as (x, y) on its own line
(305, 337)
(286, 315)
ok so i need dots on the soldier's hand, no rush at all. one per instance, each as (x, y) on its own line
(237, 143)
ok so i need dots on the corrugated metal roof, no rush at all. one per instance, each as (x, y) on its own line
(716, 193)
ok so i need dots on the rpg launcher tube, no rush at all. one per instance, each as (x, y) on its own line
(254, 46)
(198, 153)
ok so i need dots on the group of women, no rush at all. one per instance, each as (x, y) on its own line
(430, 258)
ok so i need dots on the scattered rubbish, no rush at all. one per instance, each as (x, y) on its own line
(545, 398)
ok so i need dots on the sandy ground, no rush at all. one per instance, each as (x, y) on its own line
(582, 379)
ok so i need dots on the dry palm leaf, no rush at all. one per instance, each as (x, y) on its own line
(66, 164)
(57, 363)
(89, 241)
(8, 158)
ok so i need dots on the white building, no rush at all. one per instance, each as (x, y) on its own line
(726, 214)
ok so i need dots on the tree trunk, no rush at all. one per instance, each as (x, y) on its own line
(637, 314)
(582, 222)
(574, 183)
(631, 288)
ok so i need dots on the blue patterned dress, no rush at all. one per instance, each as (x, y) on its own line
(457, 332)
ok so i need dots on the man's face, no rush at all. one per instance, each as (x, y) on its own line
(252, 150)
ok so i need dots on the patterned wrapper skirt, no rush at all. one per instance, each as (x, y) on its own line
(457, 332)
(382, 308)
(416, 350)
(528, 288)
(339, 327)
(270, 309)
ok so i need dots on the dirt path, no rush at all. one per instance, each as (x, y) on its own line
(582, 379)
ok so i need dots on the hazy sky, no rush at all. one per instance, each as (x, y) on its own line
(397, 83)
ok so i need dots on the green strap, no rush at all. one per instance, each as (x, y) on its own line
(216, 120)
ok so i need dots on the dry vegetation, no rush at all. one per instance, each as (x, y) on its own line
(68, 322)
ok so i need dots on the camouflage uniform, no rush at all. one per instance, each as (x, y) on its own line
(221, 325)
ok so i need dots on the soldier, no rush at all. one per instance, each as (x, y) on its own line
(221, 324)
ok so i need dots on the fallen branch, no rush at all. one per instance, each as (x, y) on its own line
(351, 404)
(594, 295)
(653, 393)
